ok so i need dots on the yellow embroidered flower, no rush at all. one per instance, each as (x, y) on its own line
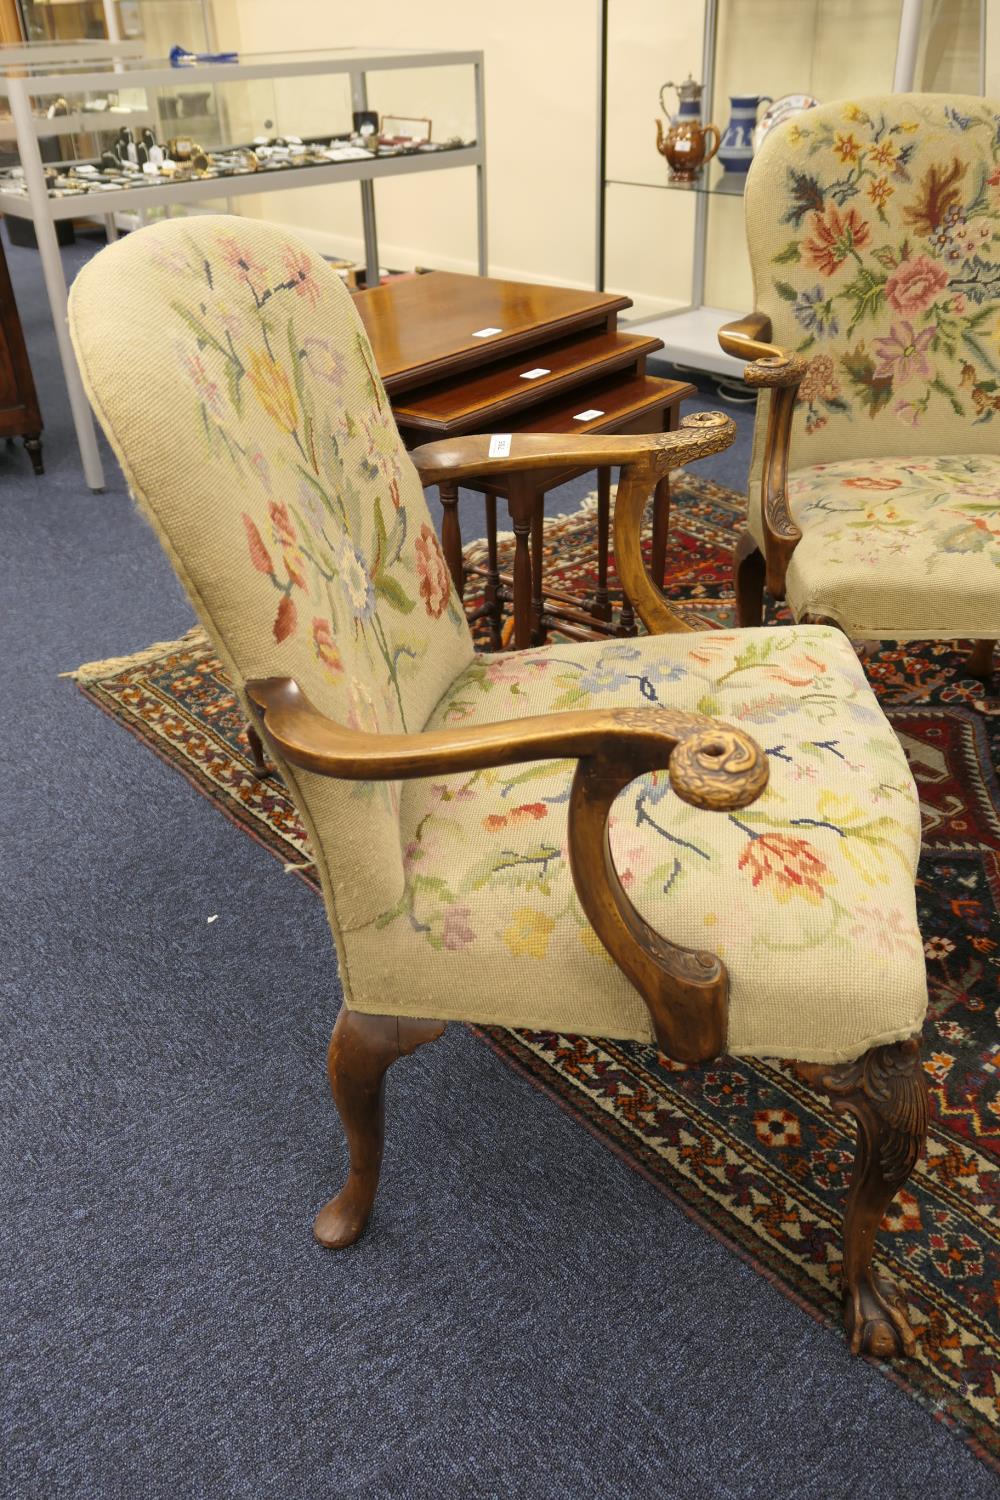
(847, 148)
(880, 191)
(274, 391)
(529, 932)
(912, 128)
(853, 114)
(884, 154)
(796, 135)
(592, 942)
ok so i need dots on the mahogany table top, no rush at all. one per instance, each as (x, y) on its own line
(422, 328)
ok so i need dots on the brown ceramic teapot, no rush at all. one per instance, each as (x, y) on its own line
(685, 145)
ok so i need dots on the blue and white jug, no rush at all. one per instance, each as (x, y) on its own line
(736, 151)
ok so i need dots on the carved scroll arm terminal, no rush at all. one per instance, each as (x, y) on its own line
(710, 764)
(770, 367)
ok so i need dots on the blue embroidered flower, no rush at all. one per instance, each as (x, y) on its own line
(815, 313)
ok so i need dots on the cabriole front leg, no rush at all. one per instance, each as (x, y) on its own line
(362, 1049)
(886, 1091)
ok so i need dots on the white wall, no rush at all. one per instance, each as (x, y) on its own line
(541, 62)
(541, 92)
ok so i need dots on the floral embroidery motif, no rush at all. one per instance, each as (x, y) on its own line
(900, 219)
(874, 513)
(487, 858)
(301, 417)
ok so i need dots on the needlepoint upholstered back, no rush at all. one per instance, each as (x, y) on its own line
(234, 379)
(874, 234)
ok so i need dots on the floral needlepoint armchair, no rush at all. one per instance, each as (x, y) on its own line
(874, 236)
(577, 838)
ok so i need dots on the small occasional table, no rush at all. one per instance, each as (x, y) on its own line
(461, 354)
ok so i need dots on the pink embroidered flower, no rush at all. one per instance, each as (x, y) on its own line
(835, 236)
(886, 929)
(285, 620)
(908, 412)
(325, 362)
(241, 261)
(285, 536)
(791, 864)
(528, 811)
(432, 572)
(259, 555)
(326, 647)
(902, 355)
(300, 274)
(208, 391)
(457, 932)
(915, 284)
(872, 482)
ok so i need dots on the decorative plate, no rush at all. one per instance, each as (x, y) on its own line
(780, 110)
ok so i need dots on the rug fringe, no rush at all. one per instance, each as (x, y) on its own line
(93, 671)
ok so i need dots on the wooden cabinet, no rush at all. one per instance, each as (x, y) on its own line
(19, 413)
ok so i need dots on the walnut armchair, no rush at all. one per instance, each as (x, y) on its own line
(580, 838)
(874, 500)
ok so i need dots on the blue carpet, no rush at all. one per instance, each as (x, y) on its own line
(526, 1316)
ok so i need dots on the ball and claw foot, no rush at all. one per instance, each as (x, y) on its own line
(875, 1320)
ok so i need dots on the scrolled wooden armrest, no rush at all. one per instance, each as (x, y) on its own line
(771, 367)
(710, 764)
(654, 453)
(643, 458)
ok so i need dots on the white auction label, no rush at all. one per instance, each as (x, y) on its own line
(500, 445)
(588, 415)
(486, 333)
(534, 374)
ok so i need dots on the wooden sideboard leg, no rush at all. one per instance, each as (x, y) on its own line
(362, 1048)
(33, 446)
(601, 606)
(661, 530)
(451, 536)
(521, 504)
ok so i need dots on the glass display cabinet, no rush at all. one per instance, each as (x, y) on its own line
(137, 135)
(677, 248)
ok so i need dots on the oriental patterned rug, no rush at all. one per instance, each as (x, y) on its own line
(744, 1147)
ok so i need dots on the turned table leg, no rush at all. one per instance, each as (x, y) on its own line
(537, 599)
(601, 606)
(451, 535)
(494, 598)
(661, 528)
(521, 500)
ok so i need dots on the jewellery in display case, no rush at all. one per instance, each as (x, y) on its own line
(136, 159)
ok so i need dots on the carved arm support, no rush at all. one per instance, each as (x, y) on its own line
(771, 368)
(643, 458)
(710, 764)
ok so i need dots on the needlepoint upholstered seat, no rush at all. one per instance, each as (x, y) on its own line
(703, 839)
(874, 235)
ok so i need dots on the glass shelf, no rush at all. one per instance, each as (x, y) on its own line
(711, 179)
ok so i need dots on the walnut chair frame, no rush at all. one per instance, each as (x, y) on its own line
(710, 765)
(770, 367)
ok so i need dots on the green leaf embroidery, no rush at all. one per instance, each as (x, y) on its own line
(788, 255)
(785, 292)
(866, 293)
(388, 589)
